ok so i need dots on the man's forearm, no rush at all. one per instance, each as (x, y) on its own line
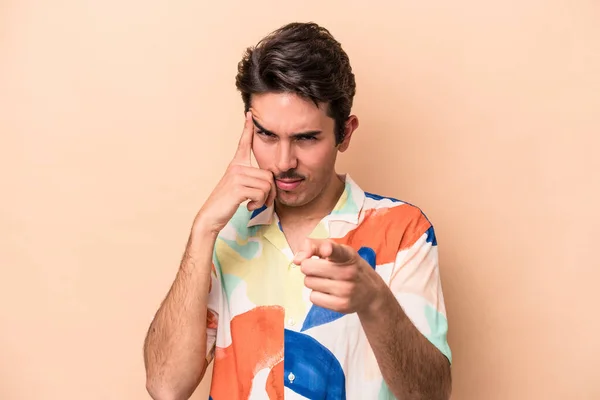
(175, 347)
(411, 366)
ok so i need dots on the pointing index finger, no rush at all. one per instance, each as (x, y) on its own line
(326, 249)
(244, 150)
(335, 252)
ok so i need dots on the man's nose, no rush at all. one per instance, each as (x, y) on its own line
(286, 158)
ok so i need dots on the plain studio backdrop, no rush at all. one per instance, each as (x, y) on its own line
(117, 118)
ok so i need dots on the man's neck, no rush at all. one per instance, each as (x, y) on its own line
(317, 209)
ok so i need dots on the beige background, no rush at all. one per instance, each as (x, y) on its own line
(118, 117)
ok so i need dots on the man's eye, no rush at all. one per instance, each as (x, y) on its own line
(307, 138)
(263, 133)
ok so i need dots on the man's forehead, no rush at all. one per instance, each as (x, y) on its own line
(288, 113)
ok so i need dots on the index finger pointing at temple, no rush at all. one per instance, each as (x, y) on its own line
(244, 150)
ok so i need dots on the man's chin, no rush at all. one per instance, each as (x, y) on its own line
(289, 200)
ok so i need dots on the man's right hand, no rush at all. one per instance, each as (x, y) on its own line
(240, 182)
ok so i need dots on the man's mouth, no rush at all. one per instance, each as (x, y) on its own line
(288, 184)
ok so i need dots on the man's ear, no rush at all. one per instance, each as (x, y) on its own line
(349, 127)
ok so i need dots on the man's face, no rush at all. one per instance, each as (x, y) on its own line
(295, 140)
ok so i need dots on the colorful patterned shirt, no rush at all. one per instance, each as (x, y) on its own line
(268, 340)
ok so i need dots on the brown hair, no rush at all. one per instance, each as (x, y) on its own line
(300, 58)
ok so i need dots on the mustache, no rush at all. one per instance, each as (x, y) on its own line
(291, 174)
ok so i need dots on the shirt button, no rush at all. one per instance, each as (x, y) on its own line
(291, 322)
(291, 377)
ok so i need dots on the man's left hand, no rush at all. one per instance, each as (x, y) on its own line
(340, 279)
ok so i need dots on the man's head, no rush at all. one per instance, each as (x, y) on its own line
(299, 86)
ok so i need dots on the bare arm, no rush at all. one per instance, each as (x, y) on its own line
(411, 366)
(175, 347)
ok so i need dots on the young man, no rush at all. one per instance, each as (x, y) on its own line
(314, 289)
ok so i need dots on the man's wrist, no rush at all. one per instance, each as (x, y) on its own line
(380, 296)
(203, 228)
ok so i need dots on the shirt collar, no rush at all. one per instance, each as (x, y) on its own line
(347, 208)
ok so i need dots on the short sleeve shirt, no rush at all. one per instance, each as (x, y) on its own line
(268, 341)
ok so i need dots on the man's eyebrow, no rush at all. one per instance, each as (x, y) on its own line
(260, 127)
(294, 135)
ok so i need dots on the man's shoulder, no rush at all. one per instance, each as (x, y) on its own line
(386, 213)
(391, 207)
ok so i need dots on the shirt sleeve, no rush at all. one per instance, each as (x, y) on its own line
(416, 284)
(213, 308)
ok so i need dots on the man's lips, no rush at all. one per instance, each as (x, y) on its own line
(288, 184)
